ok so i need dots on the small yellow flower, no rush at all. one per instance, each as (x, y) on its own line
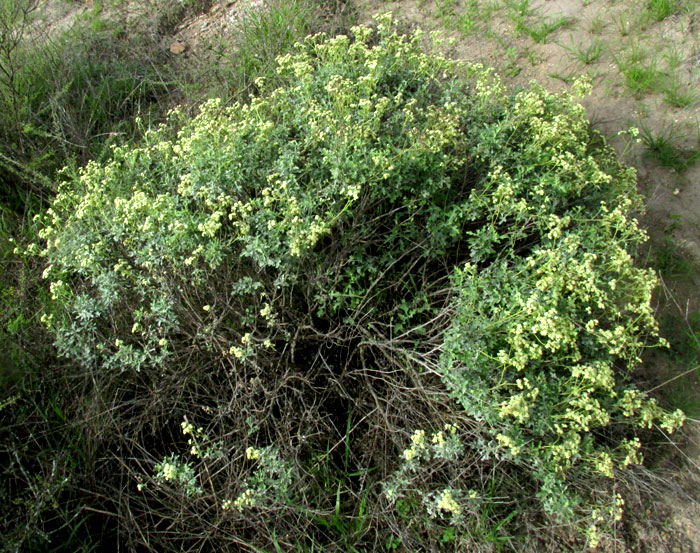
(187, 427)
(448, 503)
(169, 471)
(246, 499)
(252, 453)
(418, 438)
(439, 439)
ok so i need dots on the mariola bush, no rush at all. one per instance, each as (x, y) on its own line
(385, 304)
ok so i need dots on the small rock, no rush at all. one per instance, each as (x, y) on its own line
(177, 47)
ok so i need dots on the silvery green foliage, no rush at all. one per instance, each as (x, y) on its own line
(194, 235)
(550, 313)
(175, 472)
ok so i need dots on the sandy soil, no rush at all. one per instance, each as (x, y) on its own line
(219, 22)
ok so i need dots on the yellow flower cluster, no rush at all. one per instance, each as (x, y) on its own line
(446, 502)
(517, 407)
(418, 445)
(509, 443)
(169, 471)
(252, 453)
(246, 499)
(442, 444)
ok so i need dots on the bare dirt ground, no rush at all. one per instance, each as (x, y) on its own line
(220, 21)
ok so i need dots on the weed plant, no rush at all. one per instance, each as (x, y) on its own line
(585, 54)
(663, 147)
(383, 303)
(683, 331)
(639, 69)
(464, 17)
(678, 94)
(530, 22)
(597, 24)
(540, 31)
(659, 10)
(624, 23)
(670, 260)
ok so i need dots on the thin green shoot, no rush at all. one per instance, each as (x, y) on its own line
(585, 54)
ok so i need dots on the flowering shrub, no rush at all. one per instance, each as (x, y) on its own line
(545, 334)
(443, 445)
(138, 247)
(381, 224)
(269, 483)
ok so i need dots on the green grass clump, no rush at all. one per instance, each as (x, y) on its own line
(540, 30)
(659, 10)
(640, 71)
(662, 146)
(64, 94)
(679, 95)
(530, 22)
(263, 33)
(585, 54)
(382, 303)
